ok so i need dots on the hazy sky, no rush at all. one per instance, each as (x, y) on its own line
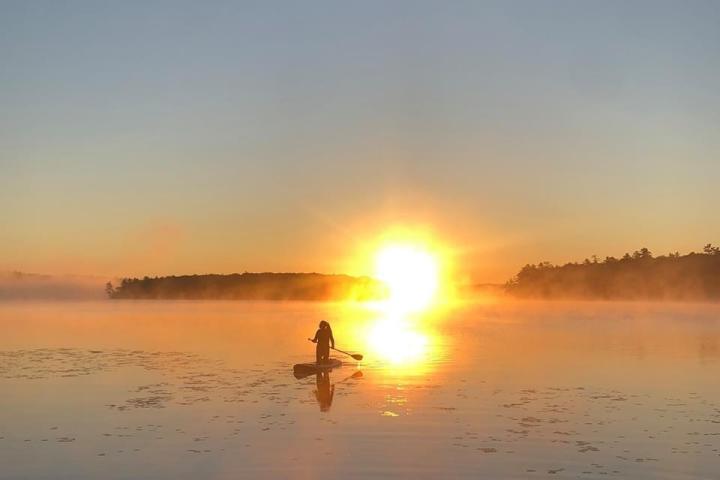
(170, 137)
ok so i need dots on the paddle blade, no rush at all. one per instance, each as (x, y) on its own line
(357, 357)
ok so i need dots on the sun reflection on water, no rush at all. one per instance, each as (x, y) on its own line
(394, 340)
(398, 331)
(399, 335)
(404, 343)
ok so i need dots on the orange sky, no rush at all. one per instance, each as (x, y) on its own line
(290, 139)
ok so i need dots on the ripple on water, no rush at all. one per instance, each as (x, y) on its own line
(538, 430)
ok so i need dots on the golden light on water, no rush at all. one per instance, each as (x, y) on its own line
(395, 341)
(412, 270)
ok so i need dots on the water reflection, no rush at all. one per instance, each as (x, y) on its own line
(403, 342)
(395, 340)
(324, 388)
(325, 392)
(532, 389)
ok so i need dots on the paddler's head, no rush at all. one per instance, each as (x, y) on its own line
(323, 324)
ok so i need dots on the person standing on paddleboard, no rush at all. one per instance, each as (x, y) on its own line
(324, 339)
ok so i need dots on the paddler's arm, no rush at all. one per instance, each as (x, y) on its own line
(315, 339)
(332, 340)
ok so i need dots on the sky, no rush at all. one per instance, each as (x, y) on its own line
(154, 138)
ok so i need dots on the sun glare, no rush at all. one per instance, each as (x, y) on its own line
(415, 269)
(395, 342)
(411, 275)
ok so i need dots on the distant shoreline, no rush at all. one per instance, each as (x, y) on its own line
(640, 276)
(637, 276)
(250, 286)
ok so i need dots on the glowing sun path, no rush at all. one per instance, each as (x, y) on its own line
(395, 342)
(412, 276)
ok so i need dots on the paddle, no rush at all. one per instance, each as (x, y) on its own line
(356, 356)
(354, 376)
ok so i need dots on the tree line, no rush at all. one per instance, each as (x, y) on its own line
(250, 286)
(636, 276)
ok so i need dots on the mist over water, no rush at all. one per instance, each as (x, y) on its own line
(28, 286)
(504, 390)
(482, 198)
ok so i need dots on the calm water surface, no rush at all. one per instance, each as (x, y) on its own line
(192, 390)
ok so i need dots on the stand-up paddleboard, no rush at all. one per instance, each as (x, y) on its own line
(301, 370)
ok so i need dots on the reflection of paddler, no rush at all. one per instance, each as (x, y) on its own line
(325, 391)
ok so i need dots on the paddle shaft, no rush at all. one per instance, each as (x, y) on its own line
(355, 356)
(357, 374)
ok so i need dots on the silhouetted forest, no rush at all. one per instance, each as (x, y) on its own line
(636, 276)
(251, 286)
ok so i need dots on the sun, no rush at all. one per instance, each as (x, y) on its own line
(411, 273)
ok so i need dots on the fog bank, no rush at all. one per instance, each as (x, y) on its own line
(30, 286)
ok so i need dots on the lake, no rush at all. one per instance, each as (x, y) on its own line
(168, 390)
